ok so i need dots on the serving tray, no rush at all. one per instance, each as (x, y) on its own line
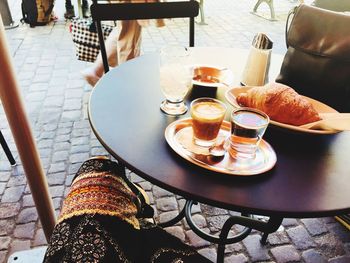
(179, 136)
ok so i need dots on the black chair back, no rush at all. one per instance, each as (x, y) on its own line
(104, 10)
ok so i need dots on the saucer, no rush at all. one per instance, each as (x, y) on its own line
(211, 76)
(179, 136)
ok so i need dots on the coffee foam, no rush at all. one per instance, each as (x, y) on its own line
(208, 111)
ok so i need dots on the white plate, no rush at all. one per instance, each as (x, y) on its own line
(319, 107)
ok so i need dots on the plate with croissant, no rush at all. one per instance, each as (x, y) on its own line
(285, 107)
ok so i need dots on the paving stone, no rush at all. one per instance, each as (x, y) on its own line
(60, 156)
(160, 192)
(12, 194)
(342, 259)
(166, 203)
(62, 138)
(3, 255)
(56, 191)
(47, 135)
(278, 238)
(289, 222)
(209, 253)
(213, 211)
(330, 246)
(300, 237)
(57, 167)
(72, 104)
(65, 130)
(80, 141)
(19, 245)
(39, 238)
(45, 143)
(166, 216)
(195, 240)
(18, 180)
(72, 116)
(315, 226)
(60, 146)
(256, 251)
(84, 149)
(27, 215)
(4, 242)
(78, 157)
(284, 254)
(341, 232)
(195, 208)
(28, 201)
(215, 223)
(235, 247)
(4, 176)
(240, 258)
(25, 231)
(56, 179)
(147, 186)
(176, 231)
(2, 188)
(199, 220)
(6, 227)
(313, 256)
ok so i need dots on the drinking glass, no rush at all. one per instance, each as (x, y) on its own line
(175, 79)
(247, 129)
(207, 116)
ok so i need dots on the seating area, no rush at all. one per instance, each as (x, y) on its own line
(67, 129)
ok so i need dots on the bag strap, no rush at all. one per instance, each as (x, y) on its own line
(291, 12)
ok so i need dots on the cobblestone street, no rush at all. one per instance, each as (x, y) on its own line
(56, 98)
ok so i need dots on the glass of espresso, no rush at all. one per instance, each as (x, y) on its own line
(207, 115)
(247, 129)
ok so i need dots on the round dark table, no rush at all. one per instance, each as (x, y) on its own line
(311, 177)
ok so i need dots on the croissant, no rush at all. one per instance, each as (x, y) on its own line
(281, 103)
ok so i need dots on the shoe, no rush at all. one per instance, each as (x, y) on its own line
(69, 14)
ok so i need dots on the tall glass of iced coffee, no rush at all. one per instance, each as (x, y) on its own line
(207, 116)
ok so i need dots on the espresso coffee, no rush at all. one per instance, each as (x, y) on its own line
(207, 116)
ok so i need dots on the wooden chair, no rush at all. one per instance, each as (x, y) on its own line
(104, 10)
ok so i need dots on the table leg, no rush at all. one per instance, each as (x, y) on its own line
(246, 220)
(211, 238)
(176, 219)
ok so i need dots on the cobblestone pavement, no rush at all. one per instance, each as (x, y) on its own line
(56, 101)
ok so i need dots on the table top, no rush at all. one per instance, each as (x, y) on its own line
(311, 177)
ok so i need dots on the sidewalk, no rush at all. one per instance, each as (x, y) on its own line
(56, 101)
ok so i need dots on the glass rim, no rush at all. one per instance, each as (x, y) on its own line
(259, 112)
(208, 99)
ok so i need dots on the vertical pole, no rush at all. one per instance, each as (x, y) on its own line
(6, 15)
(24, 139)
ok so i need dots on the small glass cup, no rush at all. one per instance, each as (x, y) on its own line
(175, 79)
(247, 129)
(207, 116)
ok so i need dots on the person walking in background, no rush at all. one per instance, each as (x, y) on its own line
(122, 44)
(69, 14)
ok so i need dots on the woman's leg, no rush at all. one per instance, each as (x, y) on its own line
(122, 44)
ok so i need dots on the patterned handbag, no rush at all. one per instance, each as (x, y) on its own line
(85, 38)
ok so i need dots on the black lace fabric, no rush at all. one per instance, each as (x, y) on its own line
(97, 237)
